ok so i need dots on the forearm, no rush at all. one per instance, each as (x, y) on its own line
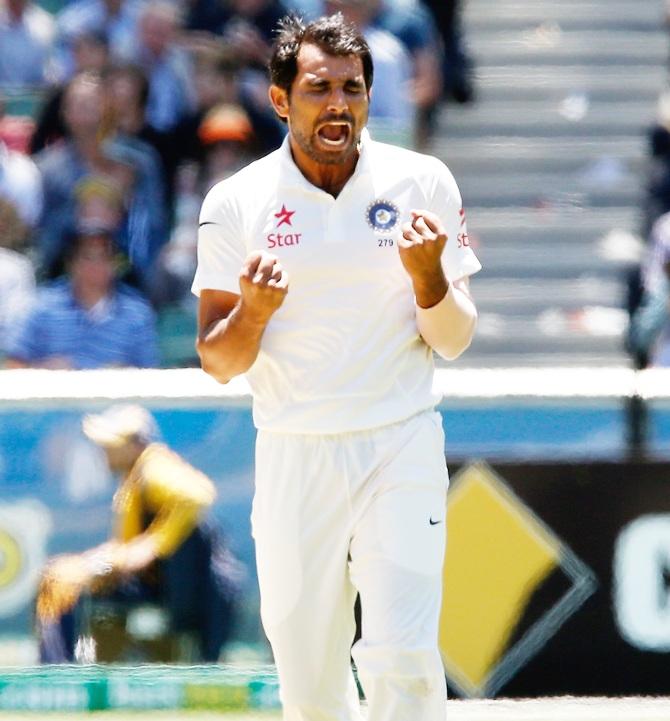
(230, 346)
(445, 312)
(134, 555)
(163, 537)
(172, 526)
(449, 325)
(430, 288)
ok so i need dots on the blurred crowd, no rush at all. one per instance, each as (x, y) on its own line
(648, 284)
(117, 116)
(648, 336)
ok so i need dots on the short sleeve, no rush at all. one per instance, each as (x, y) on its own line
(169, 480)
(458, 258)
(177, 493)
(221, 247)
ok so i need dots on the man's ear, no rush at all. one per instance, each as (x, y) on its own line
(279, 99)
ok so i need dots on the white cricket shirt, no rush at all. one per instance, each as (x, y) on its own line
(343, 352)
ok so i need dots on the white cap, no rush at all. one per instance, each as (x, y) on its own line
(119, 424)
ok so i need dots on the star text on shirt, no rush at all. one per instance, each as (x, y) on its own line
(279, 240)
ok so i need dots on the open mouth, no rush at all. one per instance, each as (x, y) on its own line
(334, 134)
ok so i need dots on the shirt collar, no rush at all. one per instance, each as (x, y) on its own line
(98, 313)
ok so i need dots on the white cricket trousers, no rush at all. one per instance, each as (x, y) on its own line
(336, 514)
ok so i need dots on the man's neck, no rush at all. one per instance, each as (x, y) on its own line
(330, 177)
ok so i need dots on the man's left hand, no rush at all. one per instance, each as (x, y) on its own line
(423, 240)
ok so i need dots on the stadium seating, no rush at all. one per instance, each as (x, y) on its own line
(550, 164)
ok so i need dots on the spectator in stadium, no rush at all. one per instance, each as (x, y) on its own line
(94, 148)
(26, 36)
(86, 319)
(64, 165)
(90, 54)
(217, 81)
(163, 551)
(227, 136)
(657, 197)
(20, 183)
(227, 139)
(139, 170)
(17, 277)
(146, 227)
(457, 65)
(127, 89)
(648, 338)
(100, 204)
(247, 27)
(389, 120)
(166, 64)
(250, 26)
(20, 207)
(411, 22)
(117, 19)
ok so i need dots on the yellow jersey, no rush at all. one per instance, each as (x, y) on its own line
(164, 488)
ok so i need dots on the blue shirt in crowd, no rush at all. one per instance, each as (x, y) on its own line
(118, 331)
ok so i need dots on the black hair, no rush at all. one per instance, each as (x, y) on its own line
(330, 33)
(96, 36)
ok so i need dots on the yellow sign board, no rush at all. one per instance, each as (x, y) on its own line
(499, 556)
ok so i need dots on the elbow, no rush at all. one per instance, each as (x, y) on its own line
(458, 343)
(209, 363)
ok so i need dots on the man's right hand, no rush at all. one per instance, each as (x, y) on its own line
(230, 327)
(263, 285)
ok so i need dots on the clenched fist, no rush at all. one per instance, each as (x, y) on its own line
(263, 284)
(423, 240)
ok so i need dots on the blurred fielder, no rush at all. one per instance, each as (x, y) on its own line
(162, 552)
(350, 471)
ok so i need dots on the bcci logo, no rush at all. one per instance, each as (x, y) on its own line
(382, 215)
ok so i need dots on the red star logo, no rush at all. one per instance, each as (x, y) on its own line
(284, 216)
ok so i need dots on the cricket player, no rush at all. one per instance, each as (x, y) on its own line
(328, 272)
(162, 551)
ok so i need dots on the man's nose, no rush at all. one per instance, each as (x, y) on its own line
(337, 100)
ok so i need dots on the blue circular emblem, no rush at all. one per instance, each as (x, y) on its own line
(382, 215)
